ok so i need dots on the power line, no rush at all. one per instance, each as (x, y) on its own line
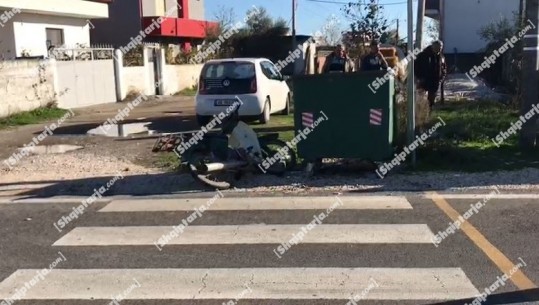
(339, 2)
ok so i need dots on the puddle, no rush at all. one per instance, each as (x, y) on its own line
(49, 149)
(121, 130)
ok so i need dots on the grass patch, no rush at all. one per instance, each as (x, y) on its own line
(32, 117)
(282, 124)
(168, 161)
(188, 91)
(465, 143)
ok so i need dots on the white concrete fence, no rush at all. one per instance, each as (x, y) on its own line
(27, 84)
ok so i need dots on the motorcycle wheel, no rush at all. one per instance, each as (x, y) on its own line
(215, 179)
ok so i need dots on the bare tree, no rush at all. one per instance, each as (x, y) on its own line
(432, 28)
(225, 17)
(332, 32)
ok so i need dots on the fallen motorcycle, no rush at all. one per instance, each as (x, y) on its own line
(218, 158)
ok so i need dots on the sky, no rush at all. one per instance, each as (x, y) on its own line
(311, 16)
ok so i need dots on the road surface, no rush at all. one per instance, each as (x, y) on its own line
(271, 250)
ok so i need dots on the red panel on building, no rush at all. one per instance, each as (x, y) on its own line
(193, 28)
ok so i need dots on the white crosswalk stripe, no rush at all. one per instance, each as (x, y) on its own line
(265, 283)
(267, 203)
(277, 283)
(248, 234)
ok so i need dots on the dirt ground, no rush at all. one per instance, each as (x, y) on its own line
(101, 159)
(100, 156)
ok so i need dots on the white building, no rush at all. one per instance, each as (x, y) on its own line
(461, 20)
(29, 27)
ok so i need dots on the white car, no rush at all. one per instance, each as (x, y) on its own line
(257, 82)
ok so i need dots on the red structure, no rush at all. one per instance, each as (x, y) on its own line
(180, 27)
(127, 20)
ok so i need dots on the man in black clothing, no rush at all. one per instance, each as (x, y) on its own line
(430, 70)
(374, 61)
(337, 61)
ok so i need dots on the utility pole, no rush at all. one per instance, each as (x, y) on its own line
(397, 36)
(530, 96)
(294, 6)
(521, 11)
(411, 80)
(420, 23)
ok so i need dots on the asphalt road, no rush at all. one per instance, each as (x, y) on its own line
(501, 234)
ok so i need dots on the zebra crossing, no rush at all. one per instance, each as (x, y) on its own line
(275, 283)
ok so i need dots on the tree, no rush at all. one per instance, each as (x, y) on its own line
(225, 17)
(509, 67)
(433, 29)
(278, 28)
(497, 31)
(391, 37)
(259, 20)
(257, 23)
(367, 22)
(331, 33)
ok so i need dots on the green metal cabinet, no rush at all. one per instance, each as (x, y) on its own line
(353, 114)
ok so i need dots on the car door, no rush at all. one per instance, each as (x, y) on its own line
(282, 87)
(274, 84)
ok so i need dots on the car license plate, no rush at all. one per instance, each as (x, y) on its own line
(224, 102)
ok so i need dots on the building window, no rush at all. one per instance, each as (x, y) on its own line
(55, 37)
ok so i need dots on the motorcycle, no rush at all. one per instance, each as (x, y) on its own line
(218, 158)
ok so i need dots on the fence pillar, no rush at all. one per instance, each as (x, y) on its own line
(118, 66)
(160, 60)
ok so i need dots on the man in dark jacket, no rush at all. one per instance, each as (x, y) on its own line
(337, 61)
(374, 61)
(430, 70)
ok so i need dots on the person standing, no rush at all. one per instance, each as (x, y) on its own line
(431, 70)
(337, 62)
(374, 61)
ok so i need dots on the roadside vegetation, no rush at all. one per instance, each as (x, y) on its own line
(465, 143)
(35, 116)
(191, 91)
(167, 161)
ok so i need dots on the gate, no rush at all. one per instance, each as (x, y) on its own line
(85, 76)
(154, 64)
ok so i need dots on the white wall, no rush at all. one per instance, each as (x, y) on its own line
(135, 79)
(464, 18)
(30, 32)
(28, 84)
(25, 86)
(196, 10)
(179, 77)
(75, 8)
(172, 9)
(175, 79)
(152, 8)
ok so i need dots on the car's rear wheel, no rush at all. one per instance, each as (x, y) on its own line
(286, 110)
(203, 120)
(265, 116)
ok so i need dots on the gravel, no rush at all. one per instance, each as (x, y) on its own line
(79, 173)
